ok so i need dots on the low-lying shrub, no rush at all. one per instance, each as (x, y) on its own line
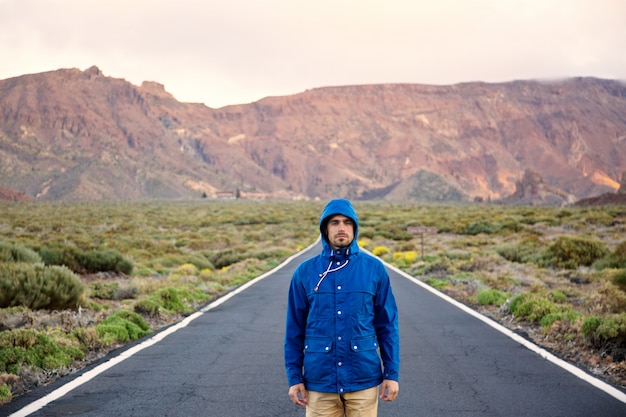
(5, 391)
(532, 307)
(404, 259)
(10, 252)
(30, 348)
(571, 252)
(491, 297)
(438, 284)
(104, 290)
(485, 227)
(171, 300)
(607, 331)
(228, 257)
(528, 250)
(380, 251)
(616, 259)
(107, 260)
(619, 279)
(121, 327)
(37, 286)
(86, 262)
(567, 315)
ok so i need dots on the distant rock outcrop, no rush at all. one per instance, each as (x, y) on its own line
(532, 189)
(7, 194)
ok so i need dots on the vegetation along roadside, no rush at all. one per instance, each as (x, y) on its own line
(79, 279)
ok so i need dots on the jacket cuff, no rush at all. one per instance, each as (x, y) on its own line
(392, 374)
(295, 379)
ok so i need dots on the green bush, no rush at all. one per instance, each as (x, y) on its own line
(63, 256)
(567, 315)
(149, 305)
(393, 231)
(108, 260)
(28, 348)
(512, 226)
(485, 227)
(121, 327)
(610, 329)
(228, 257)
(572, 252)
(199, 261)
(39, 287)
(17, 253)
(619, 255)
(5, 393)
(491, 297)
(104, 290)
(438, 284)
(529, 250)
(616, 259)
(89, 262)
(366, 233)
(170, 300)
(590, 325)
(558, 296)
(619, 279)
(532, 307)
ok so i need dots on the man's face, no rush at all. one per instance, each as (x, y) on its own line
(340, 231)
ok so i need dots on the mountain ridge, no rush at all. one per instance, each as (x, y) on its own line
(80, 135)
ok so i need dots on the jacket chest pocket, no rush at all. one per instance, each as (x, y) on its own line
(322, 306)
(363, 305)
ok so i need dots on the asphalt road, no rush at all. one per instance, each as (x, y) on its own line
(227, 361)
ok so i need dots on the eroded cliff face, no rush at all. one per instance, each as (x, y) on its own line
(622, 185)
(79, 135)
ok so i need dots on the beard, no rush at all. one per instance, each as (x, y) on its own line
(341, 242)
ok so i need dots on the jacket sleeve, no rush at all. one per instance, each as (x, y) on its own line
(386, 325)
(297, 312)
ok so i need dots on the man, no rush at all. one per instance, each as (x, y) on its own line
(340, 313)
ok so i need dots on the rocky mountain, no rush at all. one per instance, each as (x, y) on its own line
(80, 135)
(617, 198)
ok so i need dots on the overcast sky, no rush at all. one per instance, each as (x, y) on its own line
(222, 52)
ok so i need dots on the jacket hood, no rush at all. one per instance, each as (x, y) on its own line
(343, 207)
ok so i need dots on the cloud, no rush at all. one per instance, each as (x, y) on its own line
(220, 52)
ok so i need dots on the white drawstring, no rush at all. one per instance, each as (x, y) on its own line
(328, 271)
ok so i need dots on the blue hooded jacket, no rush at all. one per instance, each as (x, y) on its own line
(340, 313)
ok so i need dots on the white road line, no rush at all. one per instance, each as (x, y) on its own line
(89, 375)
(609, 389)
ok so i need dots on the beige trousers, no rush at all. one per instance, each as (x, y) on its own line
(352, 404)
